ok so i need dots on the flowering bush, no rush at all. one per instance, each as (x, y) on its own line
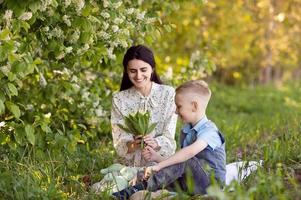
(58, 69)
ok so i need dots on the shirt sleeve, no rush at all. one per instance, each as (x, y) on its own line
(212, 138)
(167, 139)
(120, 137)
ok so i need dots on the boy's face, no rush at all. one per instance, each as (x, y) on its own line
(185, 108)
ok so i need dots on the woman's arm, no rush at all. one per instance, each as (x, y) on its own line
(123, 142)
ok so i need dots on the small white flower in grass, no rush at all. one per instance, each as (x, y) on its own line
(117, 4)
(118, 20)
(48, 115)
(105, 15)
(105, 3)
(25, 16)
(105, 25)
(130, 11)
(115, 28)
(2, 124)
(140, 16)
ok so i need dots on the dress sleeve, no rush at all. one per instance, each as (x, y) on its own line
(167, 140)
(120, 137)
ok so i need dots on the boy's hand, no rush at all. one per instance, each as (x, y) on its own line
(149, 154)
(149, 171)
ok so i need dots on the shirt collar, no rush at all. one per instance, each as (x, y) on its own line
(188, 127)
(146, 101)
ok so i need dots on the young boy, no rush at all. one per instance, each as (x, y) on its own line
(202, 146)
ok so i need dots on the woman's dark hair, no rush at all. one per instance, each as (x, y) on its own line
(138, 52)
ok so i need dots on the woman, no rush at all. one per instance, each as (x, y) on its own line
(142, 90)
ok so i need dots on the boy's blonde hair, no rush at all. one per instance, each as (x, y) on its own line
(196, 87)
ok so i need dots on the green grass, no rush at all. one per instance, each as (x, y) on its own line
(259, 123)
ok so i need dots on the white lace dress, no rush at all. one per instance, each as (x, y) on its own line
(160, 104)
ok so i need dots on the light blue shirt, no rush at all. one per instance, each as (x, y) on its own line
(203, 130)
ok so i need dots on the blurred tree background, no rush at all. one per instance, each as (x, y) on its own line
(61, 61)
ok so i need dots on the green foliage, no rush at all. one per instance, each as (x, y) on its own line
(138, 124)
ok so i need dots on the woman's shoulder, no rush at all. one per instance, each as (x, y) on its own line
(165, 88)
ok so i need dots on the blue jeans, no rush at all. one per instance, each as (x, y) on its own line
(181, 173)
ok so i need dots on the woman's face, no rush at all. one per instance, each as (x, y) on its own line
(139, 73)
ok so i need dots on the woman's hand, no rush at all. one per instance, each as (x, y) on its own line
(149, 154)
(148, 171)
(150, 141)
(134, 144)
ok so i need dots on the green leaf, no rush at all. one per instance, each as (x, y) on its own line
(19, 136)
(13, 108)
(12, 88)
(29, 129)
(4, 34)
(151, 128)
(2, 107)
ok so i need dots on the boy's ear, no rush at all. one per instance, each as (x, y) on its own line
(194, 106)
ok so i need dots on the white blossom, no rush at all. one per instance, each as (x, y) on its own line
(117, 4)
(5, 69)
(8, 15)
(57, 32)
(86, 95)
(48, 115)
(74, 79)
(67, 3)
(75, 36)
(140, 16)
(81, 105)
(42, 81)
(130, 11)
(79, 5)
(115, 28)
(118, 20)
(46, 28)
(124, 44)
(68, 49)
(29, 107)
(99, 112)
(105, 25)
(2, 124)
(67, 20)
(25, 16)
(45, 4)
(105, 3)
(110, 53)
(105, 15)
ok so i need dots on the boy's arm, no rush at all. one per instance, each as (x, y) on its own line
(184, 154)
